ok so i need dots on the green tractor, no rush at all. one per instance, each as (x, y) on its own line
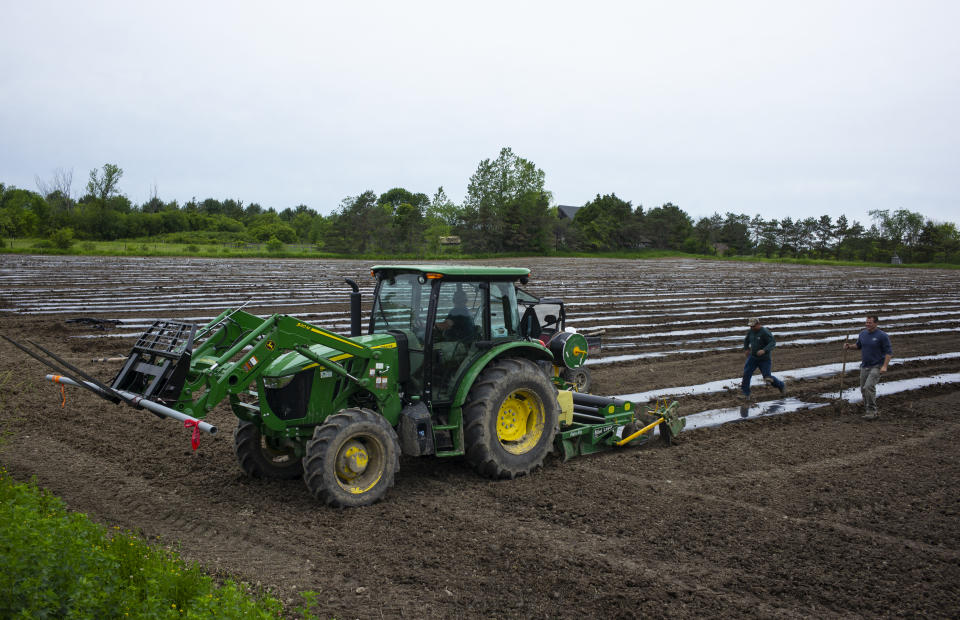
(451, 364)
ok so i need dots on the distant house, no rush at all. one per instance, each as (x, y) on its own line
(566, 212)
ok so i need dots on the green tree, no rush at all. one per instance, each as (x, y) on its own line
(406, 211)
(103, 184)
(406, 229)
(62, 238)
(397, 196)
(859, 243)
(57, 192)
(938, 243)
(667, 226)
(18, 212)
(493, 188)
(251, 211)
(441, 217)
(805, 235)
(443, 210)
(526, 224)
(274, 245)
(154, 205)
(899, 231)
(702, 236)
(824, 236)
(735, 234)
(320, 229)
(302, 223)
(786, 237)
(269, 225)
(768, 241)
(357, 227)
(757, 226)
(608, 223)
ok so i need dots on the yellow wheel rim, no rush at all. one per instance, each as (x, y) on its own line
(359, 464)
(520, 421)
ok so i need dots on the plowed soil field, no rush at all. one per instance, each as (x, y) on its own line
(816, 513)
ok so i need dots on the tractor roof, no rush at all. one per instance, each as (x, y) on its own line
(462, 271)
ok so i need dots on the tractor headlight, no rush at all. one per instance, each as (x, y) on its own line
(288, 397)
(276, 383)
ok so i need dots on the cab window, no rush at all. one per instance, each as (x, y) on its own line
(401, 304)
(503, 310)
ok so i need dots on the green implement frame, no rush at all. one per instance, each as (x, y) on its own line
(615, 424)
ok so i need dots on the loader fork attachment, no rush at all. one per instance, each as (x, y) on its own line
(158, 364)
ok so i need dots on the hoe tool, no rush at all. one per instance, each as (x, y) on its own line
(843, 368)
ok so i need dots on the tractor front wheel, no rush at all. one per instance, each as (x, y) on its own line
(259, 457)
(510, 419)
(352, 458)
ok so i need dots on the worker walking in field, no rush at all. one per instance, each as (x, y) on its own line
(876, 352)
(758, 345)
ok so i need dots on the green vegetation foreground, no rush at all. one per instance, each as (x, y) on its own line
(59, 564)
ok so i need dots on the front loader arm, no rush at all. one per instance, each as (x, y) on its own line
(234, 355)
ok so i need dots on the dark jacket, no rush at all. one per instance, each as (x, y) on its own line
(759, 339)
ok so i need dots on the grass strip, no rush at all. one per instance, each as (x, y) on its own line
(59, 564)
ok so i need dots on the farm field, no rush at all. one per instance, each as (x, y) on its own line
(812, 513)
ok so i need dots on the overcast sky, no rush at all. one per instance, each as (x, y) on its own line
(778, 108)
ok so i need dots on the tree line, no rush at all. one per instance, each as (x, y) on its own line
(506, 209)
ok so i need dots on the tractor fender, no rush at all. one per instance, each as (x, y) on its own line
(531, 350)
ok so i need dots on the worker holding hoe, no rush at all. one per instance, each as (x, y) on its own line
(757, 346)
(876, 352)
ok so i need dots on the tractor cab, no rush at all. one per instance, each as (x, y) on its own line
(445, 319)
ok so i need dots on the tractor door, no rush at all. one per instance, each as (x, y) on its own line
(471, 317)
(401, 304)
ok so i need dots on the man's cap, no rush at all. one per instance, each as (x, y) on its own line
(753, 321)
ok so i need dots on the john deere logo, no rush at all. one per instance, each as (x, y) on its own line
(271, 345)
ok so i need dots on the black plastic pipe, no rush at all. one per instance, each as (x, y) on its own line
(595, 401)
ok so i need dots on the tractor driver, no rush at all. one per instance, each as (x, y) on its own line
(459, 322)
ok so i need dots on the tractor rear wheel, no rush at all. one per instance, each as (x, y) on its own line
(510, 418)
(260, 459)
(578, 378)
(352, 458)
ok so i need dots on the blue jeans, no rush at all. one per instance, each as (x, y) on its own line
(763, 363)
